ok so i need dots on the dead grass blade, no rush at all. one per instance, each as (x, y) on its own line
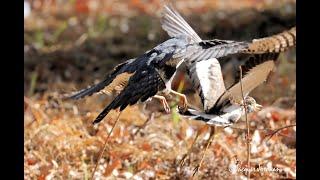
(278, 130)
(212, 133)
(104, 147)
(248, 139)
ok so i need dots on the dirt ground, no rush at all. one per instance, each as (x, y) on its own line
(70, 45)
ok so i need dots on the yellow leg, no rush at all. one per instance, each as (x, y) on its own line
(208, 143)
(164, 102)
(183, 100)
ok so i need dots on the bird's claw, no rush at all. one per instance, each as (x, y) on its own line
(184, 106)
(164, 103)
(166, 106)
(182, 109)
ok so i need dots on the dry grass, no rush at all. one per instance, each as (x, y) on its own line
(61, 143)
(66, 145)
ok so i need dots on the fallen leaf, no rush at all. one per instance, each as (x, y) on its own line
(144, 165)
(31, 161)
(115, 164)
(146, 147)
(275, 116)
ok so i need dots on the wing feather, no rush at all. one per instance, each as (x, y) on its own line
(120, 75)
(204, 69)
(174, 24)
(206, 77)
(256, 71)
(212, 49)
(143, 84)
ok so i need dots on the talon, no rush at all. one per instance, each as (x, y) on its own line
(182, 109)
(183, 101)
(167, 107)
(164, 103)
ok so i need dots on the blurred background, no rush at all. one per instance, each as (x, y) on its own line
(69, 45)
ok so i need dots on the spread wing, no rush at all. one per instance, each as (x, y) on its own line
(173, 23)
(215, 48)
(206, 77)
(201, 57)
(121, 74)
(144, 84)
(256, 71)
(204, 69)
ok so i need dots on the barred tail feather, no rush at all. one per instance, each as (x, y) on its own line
(274, 44)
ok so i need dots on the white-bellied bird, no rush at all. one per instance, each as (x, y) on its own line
(223, 106)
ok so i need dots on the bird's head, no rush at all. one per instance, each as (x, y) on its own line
(252, 105)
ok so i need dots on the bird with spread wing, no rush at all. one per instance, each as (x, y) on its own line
(142, 78)
(206, 76)
(223, 106)
(151, 74)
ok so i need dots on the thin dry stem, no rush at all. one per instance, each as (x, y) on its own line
(150, 118)
(212, 132)
(104, 147)
(247, 124)
(182, 161)
(278, 130)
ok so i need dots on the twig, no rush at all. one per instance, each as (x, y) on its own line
(247, 124)
(273, 131)
(260, 129)
(104, 147)
(150, 118)
(212, 133)
(278, 130)
(182, 161)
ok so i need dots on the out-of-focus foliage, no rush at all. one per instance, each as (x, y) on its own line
(72, 44)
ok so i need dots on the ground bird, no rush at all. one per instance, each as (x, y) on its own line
(221, 106)
(206, 76)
